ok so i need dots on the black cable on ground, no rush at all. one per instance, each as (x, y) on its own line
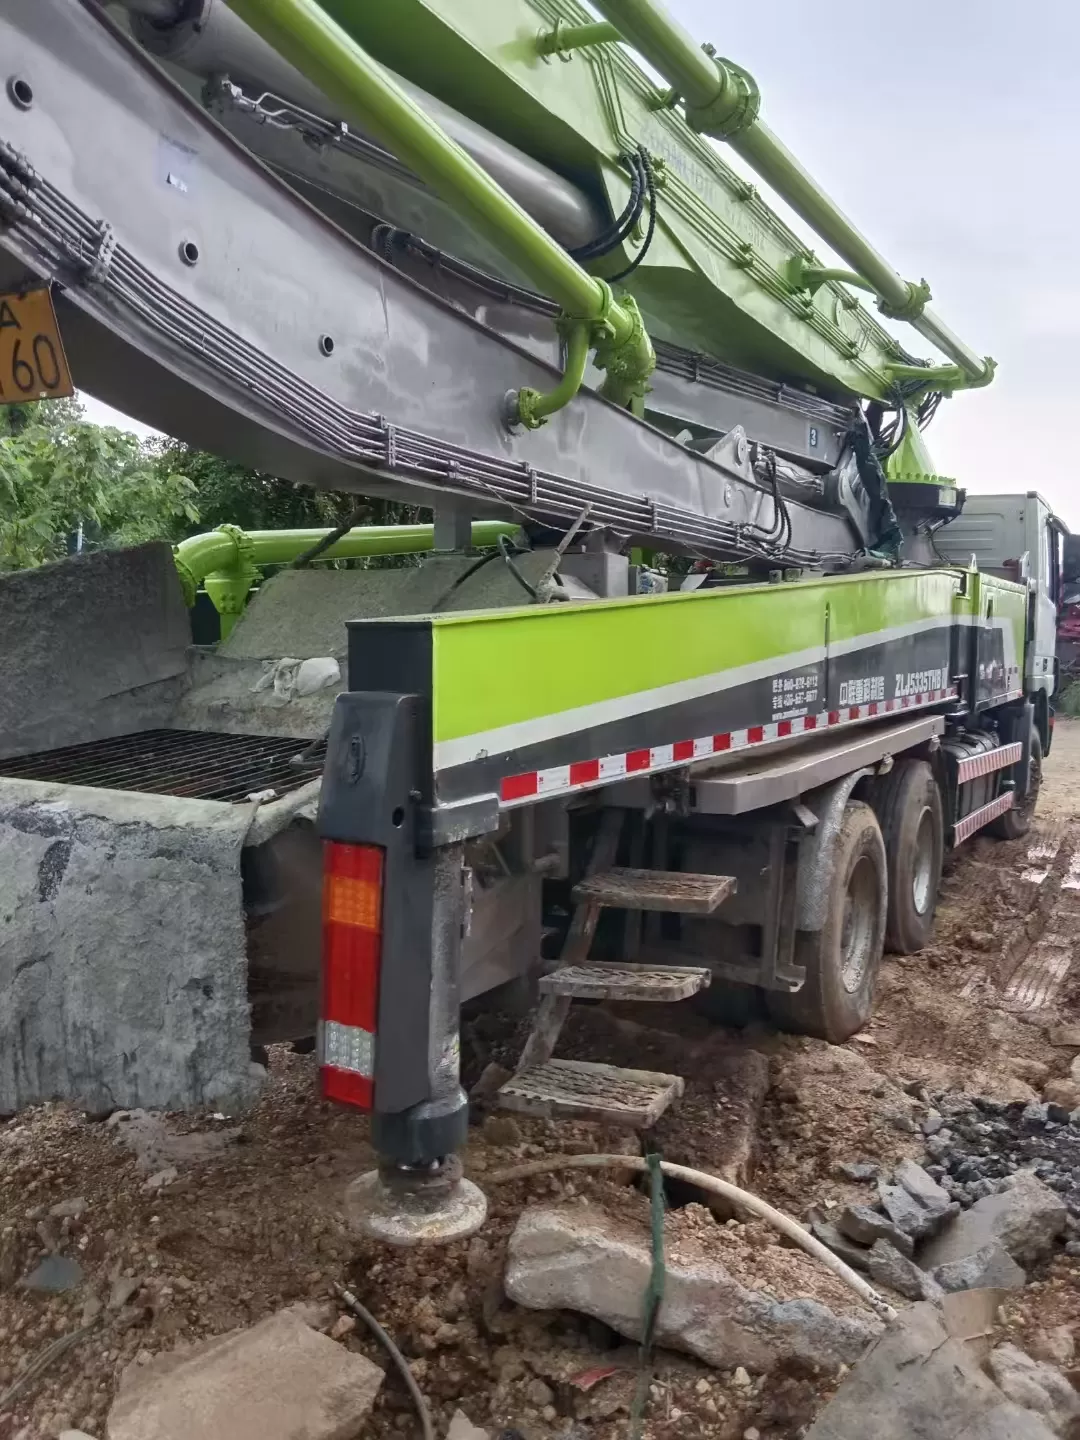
(427, 1425)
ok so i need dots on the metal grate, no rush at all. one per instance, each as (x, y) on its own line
(198, 764)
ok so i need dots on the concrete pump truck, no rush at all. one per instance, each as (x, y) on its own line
(701, 633)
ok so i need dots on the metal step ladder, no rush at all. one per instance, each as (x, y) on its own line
(580, 1089)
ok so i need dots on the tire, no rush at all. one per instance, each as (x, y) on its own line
(1016, 823)
(911, 815)
(843, 959)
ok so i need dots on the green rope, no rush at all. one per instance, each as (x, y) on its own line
(654, 1295)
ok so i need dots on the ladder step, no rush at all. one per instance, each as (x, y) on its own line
(581, 1090)
(598, 981)
(656, 890)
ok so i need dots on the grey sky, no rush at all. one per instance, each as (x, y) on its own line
(953, 141)
(951, 136)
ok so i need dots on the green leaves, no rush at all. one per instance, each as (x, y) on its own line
(58, 471)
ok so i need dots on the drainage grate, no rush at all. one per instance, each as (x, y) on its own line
(198, 764)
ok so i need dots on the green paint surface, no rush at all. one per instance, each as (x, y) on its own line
(500, 668)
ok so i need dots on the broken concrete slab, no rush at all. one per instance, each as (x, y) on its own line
(140, 997)
(922, 1188)
(920, 1380)
(866, 1225)
(1036, 1386)
(583, 1258)
(888, 1267)
(829, 1234)
(990, 1267)
(1025, 1216)
(909, 1215)
(278, 1380)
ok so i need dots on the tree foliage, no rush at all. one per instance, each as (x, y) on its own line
(60, 474)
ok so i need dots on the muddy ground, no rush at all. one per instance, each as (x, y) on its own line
(189, 1227)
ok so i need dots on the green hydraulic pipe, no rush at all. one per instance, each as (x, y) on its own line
(533, 407)
(309, 39)
(562, 39)
(227, 560)
(720, 99)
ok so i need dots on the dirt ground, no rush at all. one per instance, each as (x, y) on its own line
(189, 1227)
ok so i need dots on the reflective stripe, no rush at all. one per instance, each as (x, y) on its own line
(585, 774)
(976, 765)
(347, 1047)
(978, 818)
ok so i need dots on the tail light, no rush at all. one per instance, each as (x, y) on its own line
(352, 953)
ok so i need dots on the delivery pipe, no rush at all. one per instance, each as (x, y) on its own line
(228, 560)
(722, 101)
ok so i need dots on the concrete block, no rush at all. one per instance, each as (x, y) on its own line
(582, 1258)
(123, 968)
(278, 1380)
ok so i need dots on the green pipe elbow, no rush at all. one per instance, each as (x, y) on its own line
(532, 407)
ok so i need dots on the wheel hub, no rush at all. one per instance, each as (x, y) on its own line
(857, 934)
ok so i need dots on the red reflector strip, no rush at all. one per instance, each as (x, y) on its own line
(608, 768)
(347, 1088)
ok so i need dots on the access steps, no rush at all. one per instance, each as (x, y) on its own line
(583, 1090)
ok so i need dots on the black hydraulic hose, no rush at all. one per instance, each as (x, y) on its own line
(617, 232)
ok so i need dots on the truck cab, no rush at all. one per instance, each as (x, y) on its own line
(1019, 538)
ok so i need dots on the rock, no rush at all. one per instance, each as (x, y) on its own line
(855, 1255)
(1067, 1036)
(161, 1178)
(906, 1213)
(921, 1187)
(991, 1267)
(342, 1326)
(740, 1378)
(1036, 1386)
(74, 1435)
(538, 1393)
(920, 1381)
(581, 1258)
(904, 1123)
(888, 1267)
(932, 1124)
(278, 1380)
(861, 1171)
(1056, 1346)
(866, 1225)
(502, 1130)
(1025, 1216)
(54, 1276)
(123, 1288)
(1074, 1068)
(1033, 1071)
(1065, 1093)
(68, 1209)
(939, 1146)
(462, 1428)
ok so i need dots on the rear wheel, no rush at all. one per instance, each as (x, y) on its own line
(1016, 823)
(909, 809)
(842, 959)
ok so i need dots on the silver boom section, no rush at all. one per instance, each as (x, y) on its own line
(203, 296)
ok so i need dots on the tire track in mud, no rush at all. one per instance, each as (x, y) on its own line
(1038, 954)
